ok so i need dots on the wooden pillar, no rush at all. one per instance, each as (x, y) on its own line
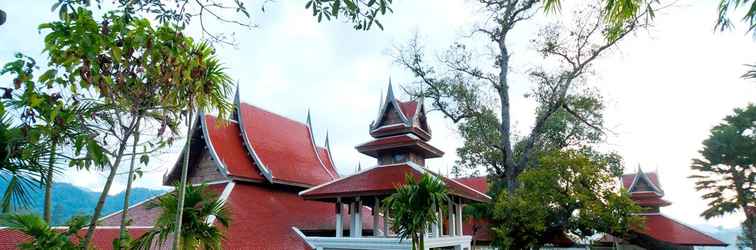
(440, 220)
(452, 230)
(459, 218)
(339, 222)
(376, 214)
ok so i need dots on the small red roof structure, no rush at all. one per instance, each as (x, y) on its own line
(659, 231)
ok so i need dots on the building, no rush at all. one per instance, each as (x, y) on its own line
(279, 183)
(659, 231)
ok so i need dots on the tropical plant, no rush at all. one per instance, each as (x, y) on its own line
(200, 205)
(44, 237)
(19, 165)
(412, 207)
(726, 172)
(207, 88)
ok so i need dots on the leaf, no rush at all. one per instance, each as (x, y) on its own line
(144, 159)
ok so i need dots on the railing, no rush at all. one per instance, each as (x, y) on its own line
(388, 243)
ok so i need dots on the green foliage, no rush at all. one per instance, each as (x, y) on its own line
(566, 192)
(200, 204)
(726, 173)
(726, 7)
(413, 207)
(617, 13)
(43, 236)
(363, 14)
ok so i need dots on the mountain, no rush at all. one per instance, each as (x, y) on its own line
(728, 235)
(69, 200)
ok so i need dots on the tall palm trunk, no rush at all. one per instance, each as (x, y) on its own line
(104, 195)
(182, 183)
(49, 183)
(124, 213)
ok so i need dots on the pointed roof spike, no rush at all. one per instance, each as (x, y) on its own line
(327, 143)
(309, 119)
(359, 166)
(390, 91)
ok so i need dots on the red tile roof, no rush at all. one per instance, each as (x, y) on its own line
(263, 217)
(478, 183)
(283, 146)
(409, 108)
(383, 180)
(326, 157)
(372, 148)
(649, 199)
(103, 237)
(670, 231)
(226, 142)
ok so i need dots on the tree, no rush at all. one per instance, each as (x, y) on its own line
(137, 74)
(200, 204)
(362, 14)
(726, 171)
(413, 205)
(51, 119)
(43, 236)
(461, 89)
(207, 89)
(567, 192)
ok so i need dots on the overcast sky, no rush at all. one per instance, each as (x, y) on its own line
(665, 87)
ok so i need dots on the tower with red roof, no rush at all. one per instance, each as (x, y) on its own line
(400, 146)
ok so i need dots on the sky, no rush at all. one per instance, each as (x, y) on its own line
(664, 87)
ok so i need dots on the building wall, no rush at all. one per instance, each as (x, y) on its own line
(205, 171)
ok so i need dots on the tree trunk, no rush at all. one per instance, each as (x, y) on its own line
(124, 213)
(49, 184)
(505, 142)
(105, 190)
(182, 183)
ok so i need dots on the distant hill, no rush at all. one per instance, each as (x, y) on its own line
(728, 235)
(69, 200)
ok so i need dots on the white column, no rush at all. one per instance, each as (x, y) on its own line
(339, 222)
(386, 223)
(459, 219)
(452, 228)
(434, 226)
(352, 220)
(358, 218)
(376, 214)
(440, 220)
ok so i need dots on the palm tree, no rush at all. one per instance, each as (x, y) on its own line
(200, 204)
(412, 207)
(43, 236)
(208, 91)
(19, 165)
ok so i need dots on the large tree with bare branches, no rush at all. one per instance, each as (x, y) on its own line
(472, 95)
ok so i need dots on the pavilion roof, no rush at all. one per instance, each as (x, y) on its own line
(383, 180)
(667, 230)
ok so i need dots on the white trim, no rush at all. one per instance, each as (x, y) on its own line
(222, 198)
(642, 174)
(211, 148)
(248, 144)
(390, 99)
(315, 147)
(304, 238)
(337, 180)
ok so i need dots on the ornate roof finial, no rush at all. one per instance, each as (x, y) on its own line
(390, 92)
(309, 120)
(236, 95)
(359, 166)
